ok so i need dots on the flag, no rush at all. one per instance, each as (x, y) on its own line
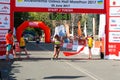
(102, 26)
(79, 29)
(85, 29)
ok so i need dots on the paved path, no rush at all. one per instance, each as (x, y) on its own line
(40, 67)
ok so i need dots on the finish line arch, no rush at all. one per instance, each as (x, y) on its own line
(111, 8)
(34, 24)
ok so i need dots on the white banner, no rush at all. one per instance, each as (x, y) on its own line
(60, 30)
(102, 24)
(114, 2)
(114, 23)
(2, 35)
(88, 4)
(5, 8)
(4, 1)
(114, 37)
(74, 47)
(4, 21)
(115, 11)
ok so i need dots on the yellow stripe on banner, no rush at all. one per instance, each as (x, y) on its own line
(19, 0)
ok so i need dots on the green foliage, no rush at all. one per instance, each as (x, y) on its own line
(89, 20)
(60, 16)
(20, 17)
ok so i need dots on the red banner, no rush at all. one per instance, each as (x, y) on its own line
(73, 53)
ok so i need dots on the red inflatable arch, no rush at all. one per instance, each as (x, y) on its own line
(34, 24)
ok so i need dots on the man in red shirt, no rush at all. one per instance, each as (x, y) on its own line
(9, 43)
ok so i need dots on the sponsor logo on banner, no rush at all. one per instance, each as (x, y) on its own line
(115, 11)
(114, 37)
(2, 34)
(100, 1)
(19, 0)
(5, 8)
(114, 24)
(114, 2)
(34, 24)
(113, 21)
(4, 21)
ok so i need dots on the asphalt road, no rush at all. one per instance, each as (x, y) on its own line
(78, 67)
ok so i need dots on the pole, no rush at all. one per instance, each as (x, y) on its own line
(93, 26)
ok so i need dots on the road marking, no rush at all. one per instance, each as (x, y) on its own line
(93, 76)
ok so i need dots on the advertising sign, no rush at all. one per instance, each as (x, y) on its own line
(88, 4)
(114, 2)
(4, 21)
(2, 34)
(114, 37)
(5, 8)
(113, 30)
(4, 1)
(114, 24)
(4, 25)
(2, 42)
(2, 48)
(115, 11)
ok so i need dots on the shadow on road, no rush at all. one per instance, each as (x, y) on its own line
(5, 69)
(8, 69)
(60, 59)
(63, 77)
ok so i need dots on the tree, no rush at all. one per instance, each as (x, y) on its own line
(19, 18)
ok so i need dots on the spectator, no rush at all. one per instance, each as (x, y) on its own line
(14, 51)
(90, 45)
(23, 46)
(37, 41)
(66, 39)
(75, 40)
(101, 48)
(9, 44)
